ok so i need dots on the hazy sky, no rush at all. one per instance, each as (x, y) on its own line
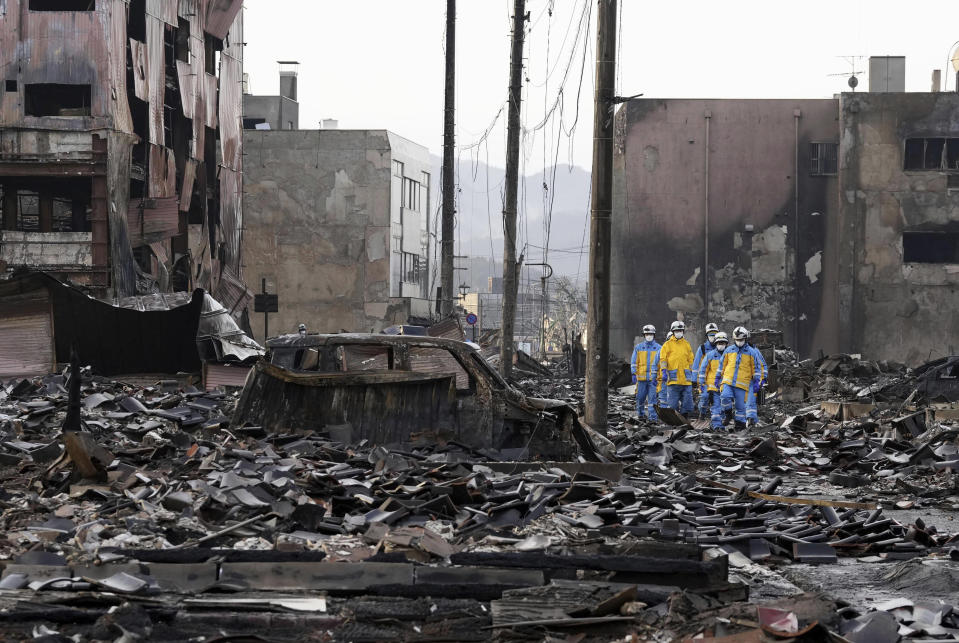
(379, 63)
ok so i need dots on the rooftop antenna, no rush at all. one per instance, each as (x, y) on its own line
(954, 59)
(853, 81)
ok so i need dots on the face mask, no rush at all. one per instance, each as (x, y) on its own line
(649, 338)
(720, 347)
(678, 334)
(711, 337)
(740, 342)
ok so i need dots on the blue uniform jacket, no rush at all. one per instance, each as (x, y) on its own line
(739, 367)
(646, 359)
(701, 352)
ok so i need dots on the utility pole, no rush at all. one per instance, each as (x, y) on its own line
(597, 317)
(510, 266)
(449, 194)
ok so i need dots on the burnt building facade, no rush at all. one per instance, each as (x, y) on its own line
(831, 220)
(120, 146)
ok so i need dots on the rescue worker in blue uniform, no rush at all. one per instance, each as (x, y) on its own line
(704, 348)
(752, 406)
(661, 392)
(644, 365)
(708, 368)
(676, 367)
(739, 371)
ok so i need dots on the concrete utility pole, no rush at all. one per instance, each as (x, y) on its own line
(510, 266)
(449, 189)
(597, 316)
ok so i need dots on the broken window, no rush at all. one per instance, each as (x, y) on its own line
(212, 48)
(931, 154)
(63, 5)
(251, 123)
(364, 358)
(823, 158)
(440, 361)
(930, 247)
(11, 86)
(28, 211)
(137, 22)
(952, 182)
(51, 99)
(183, 40)
(411, 268)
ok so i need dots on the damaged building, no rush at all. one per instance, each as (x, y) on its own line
(832, 220)
(336, 221)
(120, 159)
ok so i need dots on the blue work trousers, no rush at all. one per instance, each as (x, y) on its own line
(715, 408)
(680, 398)
(705, 402)
(733, 397)
(646, 399)
(752, 408)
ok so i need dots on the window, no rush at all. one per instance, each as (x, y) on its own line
(398, 169)
(48, 99)
(411, 194)
(426, 190)
(439, 361)
(931, 154)
(11, 86)
(930, 247)
(411, 270)
(364, 358)
(823, 158)
(28, 211)
(251, 123)
(212, 48)
(63, 5)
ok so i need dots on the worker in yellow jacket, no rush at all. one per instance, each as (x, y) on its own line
(675, 365)
(739, 372)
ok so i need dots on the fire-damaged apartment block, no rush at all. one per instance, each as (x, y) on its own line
(833, 220)
(120, 146)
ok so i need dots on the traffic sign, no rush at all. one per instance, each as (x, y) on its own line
(471, 319)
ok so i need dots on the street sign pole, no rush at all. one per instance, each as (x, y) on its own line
(266, 315)
(266, 304)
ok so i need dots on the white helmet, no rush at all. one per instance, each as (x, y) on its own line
(721, 337)
(649, 329)
(712, 328)
(677, 325)
(741, 333)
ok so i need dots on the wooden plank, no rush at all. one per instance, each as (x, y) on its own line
(477, 576)
(314, 576)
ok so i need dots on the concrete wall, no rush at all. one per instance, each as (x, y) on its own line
(891, 309)
(278, 111)
(317, 210)
(661, 194)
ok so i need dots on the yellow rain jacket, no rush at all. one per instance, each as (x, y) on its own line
(740, 366)
(676, 360)
(708, 367)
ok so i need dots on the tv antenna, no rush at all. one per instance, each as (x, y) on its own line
(853, 81)
(954, 59)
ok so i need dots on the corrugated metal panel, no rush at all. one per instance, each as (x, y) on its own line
(220, 15)
(231, 215)
(122, 118)
(186, 190)
(26, 338)
(162, 180)
(231, 79)
(215, 375)
(438, 361)
(155, 77)
(165, 10)
(141, 84)
(210, 98)
(232, 293)
(151, 220)
(449, 328)
(187, 79)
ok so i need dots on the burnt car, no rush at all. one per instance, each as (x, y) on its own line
(396, 390)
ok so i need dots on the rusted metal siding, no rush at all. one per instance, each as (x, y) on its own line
(156, 84)
(152, 220)
(26, 336)
(186, 189)
(162, 180)
(138, 56)
(220, 15)
(215, 375)
(165, 10)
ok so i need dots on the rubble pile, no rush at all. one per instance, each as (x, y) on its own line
(149, 503)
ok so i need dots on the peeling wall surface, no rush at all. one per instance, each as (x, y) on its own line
(891, 308)
(756, 277)
(86, 138)
(318, 210)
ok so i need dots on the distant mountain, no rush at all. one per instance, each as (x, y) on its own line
(480, 220)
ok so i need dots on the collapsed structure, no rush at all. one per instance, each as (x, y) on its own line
(120, 161)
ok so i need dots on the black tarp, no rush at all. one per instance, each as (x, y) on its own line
(116, 340)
